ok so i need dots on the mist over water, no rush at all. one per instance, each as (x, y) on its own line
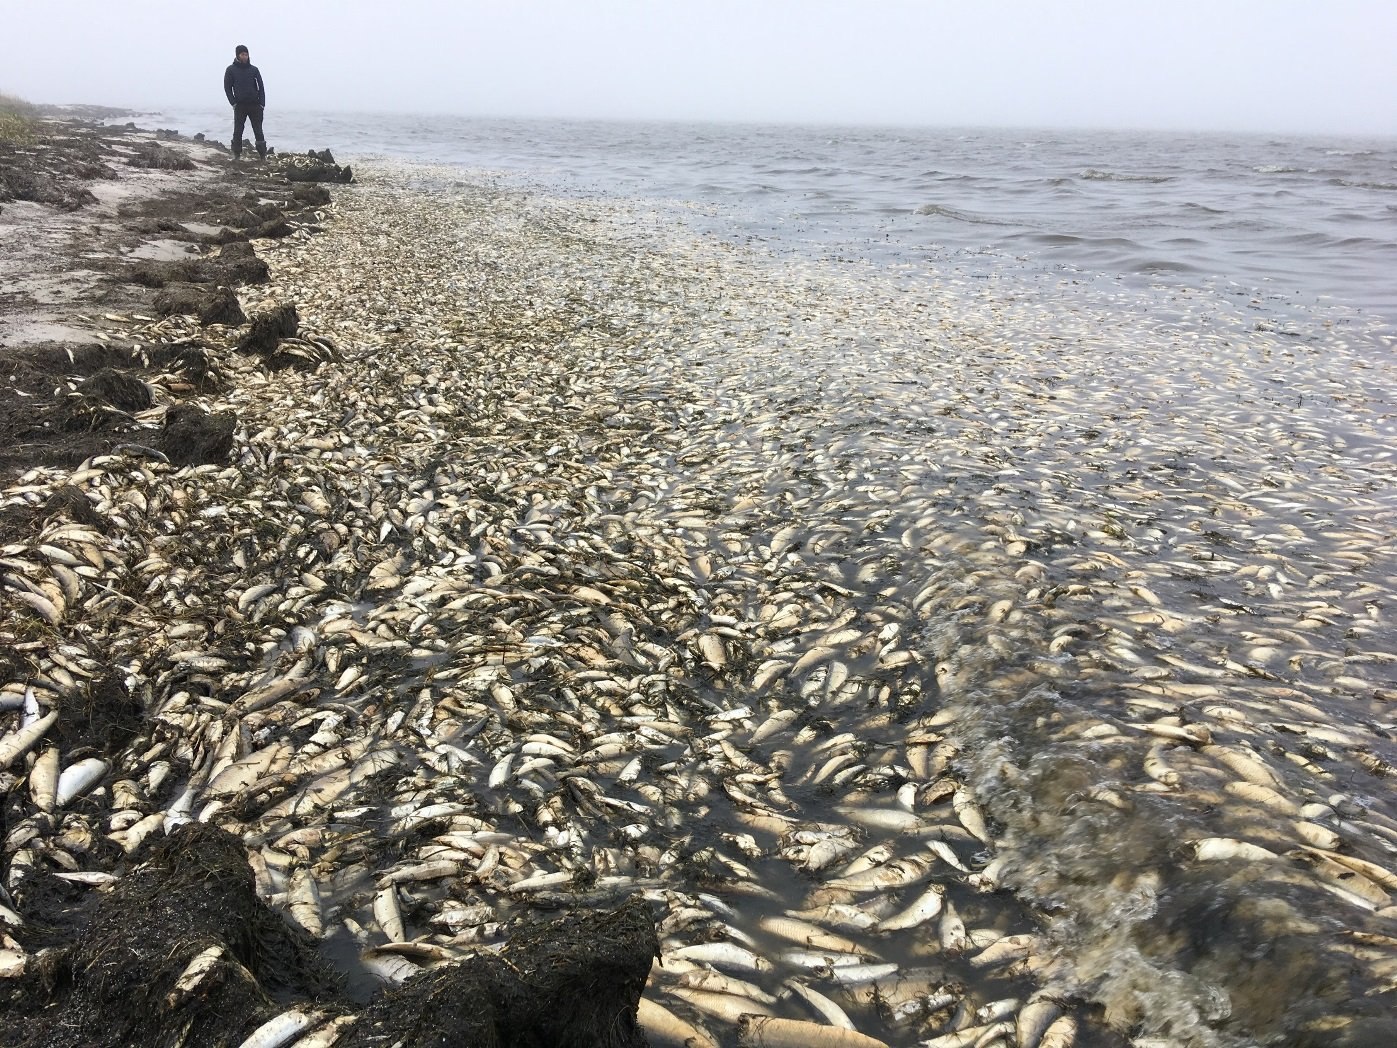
(1300, 222)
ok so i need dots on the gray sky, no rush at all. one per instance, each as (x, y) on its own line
(1269, 65)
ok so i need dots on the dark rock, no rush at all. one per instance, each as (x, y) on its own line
(194, 437)
(269, 328)
(199, 137)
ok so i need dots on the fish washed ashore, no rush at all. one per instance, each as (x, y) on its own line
(905, 662)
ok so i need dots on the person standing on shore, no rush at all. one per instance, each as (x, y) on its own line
(242, 83)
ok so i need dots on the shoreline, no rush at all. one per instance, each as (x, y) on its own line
(122, 249)
(594, 562)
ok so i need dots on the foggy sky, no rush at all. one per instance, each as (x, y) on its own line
(1264, 65)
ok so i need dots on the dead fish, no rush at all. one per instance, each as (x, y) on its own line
(662, 1026)
(19, 742)
(78, 778)
(282, 1030)
(758, 1031)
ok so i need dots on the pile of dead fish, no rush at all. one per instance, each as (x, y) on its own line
(941, 668)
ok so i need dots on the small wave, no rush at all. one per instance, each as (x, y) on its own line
(1278, 169)
(1052, 239)
(930, 210)
(1354, 184)
(809, 169)
(1092, 174)
(1159, 265)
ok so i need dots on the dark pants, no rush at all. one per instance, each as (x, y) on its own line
(242, 112)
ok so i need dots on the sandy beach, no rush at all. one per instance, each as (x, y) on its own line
(902, 664)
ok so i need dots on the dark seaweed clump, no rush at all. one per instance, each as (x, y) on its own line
(115, 984)
(572, 983)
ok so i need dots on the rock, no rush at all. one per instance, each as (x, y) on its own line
(195, 437)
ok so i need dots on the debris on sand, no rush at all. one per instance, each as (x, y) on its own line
(314, 167)
(154, 155)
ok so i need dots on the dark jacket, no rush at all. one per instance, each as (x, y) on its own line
(243, 84)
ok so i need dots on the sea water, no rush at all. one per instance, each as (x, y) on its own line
(1298, 223)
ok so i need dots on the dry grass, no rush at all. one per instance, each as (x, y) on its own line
(16, 120)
